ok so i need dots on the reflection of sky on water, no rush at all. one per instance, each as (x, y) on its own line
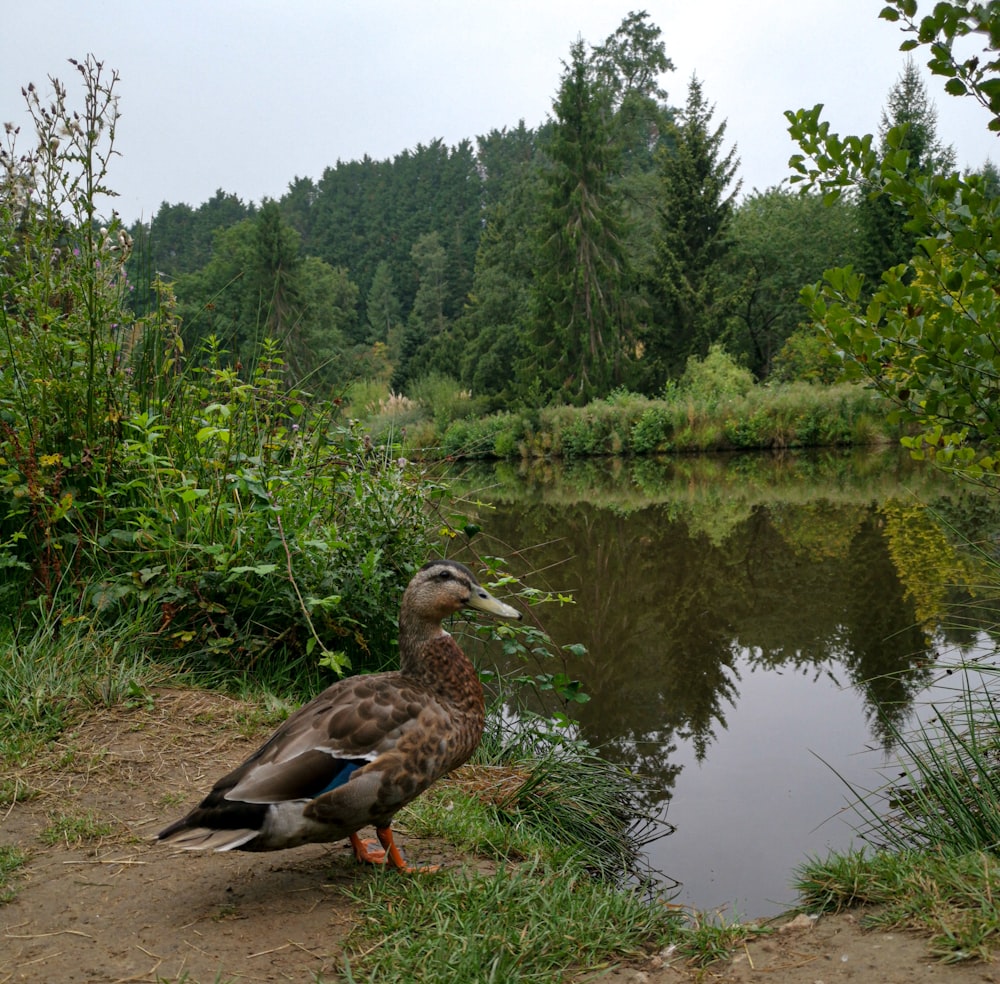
(756, 805)
(767, 797)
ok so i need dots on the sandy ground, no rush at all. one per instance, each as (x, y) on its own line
(121, 909)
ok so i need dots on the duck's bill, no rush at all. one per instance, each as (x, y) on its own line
(485, 602)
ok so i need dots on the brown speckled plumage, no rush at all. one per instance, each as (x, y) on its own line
(365, 747)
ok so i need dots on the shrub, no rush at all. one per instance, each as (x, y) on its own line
(652, 431)
(716, 377)
(442, 398)
(245, 518)
(497, 436)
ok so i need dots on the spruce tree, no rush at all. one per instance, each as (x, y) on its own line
(581, 322)
(696, 206)
(884, 242)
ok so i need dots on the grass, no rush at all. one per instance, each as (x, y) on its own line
(76, 828)
(12, 859)
(565, 829)
(934, 832)
(953, 898)
(53, 669)
(515, 925)
(531, 795)
(14, 789)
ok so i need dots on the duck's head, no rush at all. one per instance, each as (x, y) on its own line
(442, 587)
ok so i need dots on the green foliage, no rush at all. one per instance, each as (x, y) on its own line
(651, 433)
(719, 407)
(909, 124)
(927, 337)
(443, 398)
(208, 501)
(950, 897)
(257, 283)
(806, 356)
(497, 316)
(12, 859)
(946, 794)
(423, 339)
(781, 242)
(76, 828)
(51, 665)
(717, 376)
(499, 435)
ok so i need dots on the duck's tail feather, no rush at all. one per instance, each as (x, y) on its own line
(206, 839)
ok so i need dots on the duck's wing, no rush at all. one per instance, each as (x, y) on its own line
(317, 749)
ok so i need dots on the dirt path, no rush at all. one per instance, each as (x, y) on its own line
(120, 909)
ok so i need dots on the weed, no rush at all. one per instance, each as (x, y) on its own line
(80, 828)
(12, 859)
(16, 790)
(708, 938)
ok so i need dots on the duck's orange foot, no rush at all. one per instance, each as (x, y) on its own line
(367, 852)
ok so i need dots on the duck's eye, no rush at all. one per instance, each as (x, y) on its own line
(444, 575)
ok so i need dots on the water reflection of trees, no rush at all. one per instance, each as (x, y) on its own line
(666, 608)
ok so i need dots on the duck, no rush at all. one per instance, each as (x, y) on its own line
(365, 747)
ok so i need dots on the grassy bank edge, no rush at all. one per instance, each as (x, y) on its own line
(792, 415)
(551, 835)
(932, 829)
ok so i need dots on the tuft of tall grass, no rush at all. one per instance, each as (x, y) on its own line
(951, 897)
(933, 829)
(947, 792)
(530, 923)
(535, 791)
(53, 667)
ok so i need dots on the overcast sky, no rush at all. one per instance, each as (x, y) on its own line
(246, 95)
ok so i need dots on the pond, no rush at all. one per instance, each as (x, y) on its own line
(754, 627)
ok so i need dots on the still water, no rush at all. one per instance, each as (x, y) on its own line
(751, 624)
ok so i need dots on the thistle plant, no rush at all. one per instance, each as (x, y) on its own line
(63, 387)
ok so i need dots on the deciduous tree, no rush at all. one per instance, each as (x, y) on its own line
(929, 338)
(781, 242)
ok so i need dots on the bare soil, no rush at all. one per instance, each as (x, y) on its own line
(120, 909)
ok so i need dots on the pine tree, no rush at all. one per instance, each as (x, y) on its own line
(427, 323)
(581, 320)
(383, 307)
(884, 242)
(696, 206)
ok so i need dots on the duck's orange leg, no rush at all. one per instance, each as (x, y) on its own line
(366, 851)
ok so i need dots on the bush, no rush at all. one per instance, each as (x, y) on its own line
(716, 377)
(442, 398)
(247, 519)
(496, 436)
